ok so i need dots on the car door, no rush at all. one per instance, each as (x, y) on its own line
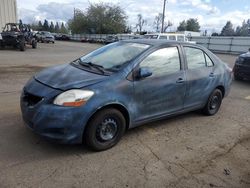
(200, 77)
(163, 92)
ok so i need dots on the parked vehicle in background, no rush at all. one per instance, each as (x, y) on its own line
(45, 36)
(96, 97)
(168, 36)
(110, 39)
(18, 36)
(60, 36)
(242, 66)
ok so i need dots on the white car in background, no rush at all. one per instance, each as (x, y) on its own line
(168, 36)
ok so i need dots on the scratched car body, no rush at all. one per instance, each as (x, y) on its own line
(95, 98)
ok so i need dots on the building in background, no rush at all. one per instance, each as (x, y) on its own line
(8, 12)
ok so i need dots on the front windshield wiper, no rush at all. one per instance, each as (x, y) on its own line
(100, 68)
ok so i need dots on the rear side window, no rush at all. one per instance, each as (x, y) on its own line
(164, 61)
(195, 58)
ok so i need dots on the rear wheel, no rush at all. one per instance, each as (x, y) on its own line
(213, 103)
(105, 129)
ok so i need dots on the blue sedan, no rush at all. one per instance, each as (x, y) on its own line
(95, 98)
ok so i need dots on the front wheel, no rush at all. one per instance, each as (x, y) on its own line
(213, 103)
(34, 44)
(22, 45)
(105, 129)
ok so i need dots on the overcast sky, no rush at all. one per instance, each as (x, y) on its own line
(211, 14)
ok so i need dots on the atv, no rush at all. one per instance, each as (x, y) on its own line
(17, 35)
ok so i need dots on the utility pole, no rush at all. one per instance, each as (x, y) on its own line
(74, 13)
(163, 16)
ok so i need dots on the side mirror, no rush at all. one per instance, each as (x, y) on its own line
(143, 73)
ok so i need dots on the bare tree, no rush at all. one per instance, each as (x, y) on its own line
(141, 22)
(157, 22)
(167, 25)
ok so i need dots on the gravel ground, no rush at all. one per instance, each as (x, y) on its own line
(189, 150)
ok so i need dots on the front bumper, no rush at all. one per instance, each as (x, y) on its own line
(242, 71)
(57, 123)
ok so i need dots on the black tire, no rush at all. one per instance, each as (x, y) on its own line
(22, 45)
(213, 103)
(34, 44)
(105, 129)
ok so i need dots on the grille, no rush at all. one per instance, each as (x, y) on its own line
(31, 99)
(246, 61)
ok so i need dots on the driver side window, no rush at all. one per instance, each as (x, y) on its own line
(162, 62)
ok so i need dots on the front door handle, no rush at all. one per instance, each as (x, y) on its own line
(180, 80)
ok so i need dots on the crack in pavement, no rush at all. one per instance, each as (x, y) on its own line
(202, 168)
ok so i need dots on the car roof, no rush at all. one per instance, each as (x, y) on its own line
(165, 34)
(157, 42)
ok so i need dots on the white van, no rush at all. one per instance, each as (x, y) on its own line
(168, 36)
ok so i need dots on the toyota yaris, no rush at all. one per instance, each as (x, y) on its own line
(95, 98)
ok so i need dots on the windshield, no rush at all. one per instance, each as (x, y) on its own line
(11, 27)
(113, 56)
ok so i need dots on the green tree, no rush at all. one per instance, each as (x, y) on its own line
(99, 18)
(46, 25)
(79, 24)
(182, 26)
(40, 26)
(57, 28)
(193, 25)
(227, 30)
(52, 27)
(63, 29)
(243, 30)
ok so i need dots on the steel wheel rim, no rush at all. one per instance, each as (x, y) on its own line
(214, 102)
(107, 129)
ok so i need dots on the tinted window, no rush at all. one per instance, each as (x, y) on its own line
(162, 62)
(195, 58)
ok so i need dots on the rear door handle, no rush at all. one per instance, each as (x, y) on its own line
(180, 80)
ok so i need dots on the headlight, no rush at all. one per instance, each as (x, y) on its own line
(240, 60)
(74, 97)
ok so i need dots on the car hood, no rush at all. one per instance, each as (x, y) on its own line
(245, 55)
(66, 77)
